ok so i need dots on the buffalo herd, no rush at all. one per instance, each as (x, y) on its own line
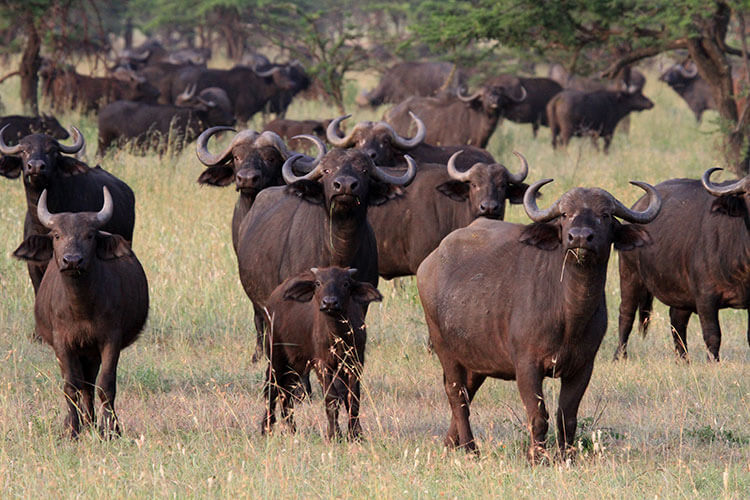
(413, 194)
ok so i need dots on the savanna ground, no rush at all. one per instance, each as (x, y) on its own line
(190, 400)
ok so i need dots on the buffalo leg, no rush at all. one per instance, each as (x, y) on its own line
(460, 387)
(748, 327)
(260, 333)
(332, 402)
(90, 369)
(529, 381)
(709, 316)
(473, 383)
(632, 293)
(73, 380)
(571, 392)
(352, 400)
(679, 319)
(106, 386)
(271, 392)
(286, 392)
(607, 142)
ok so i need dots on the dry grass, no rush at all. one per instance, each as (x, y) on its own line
(190, 402)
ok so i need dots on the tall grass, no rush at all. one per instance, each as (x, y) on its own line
(190, 400)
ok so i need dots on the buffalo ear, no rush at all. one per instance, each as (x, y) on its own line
(35, 248)
(630, 236)
(382, 192)
(220, 175)
(10, 166)
(364, 292)
(71, 166)
(515, 193)
(455, 190)
(310, 191)
(541, 235)
(733, 206)
(300, 290)
(111, 246)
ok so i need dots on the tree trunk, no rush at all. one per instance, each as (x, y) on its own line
(128, 35)
(30, 63)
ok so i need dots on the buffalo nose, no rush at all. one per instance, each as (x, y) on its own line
(579, 235)
(72, 261)
(345, 184)
(247, 177)
(329, 303)
(489, 207)
(36, 165)
(372, 154)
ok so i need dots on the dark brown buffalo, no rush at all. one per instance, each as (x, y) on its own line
(319, 219)
(629, 79)
(521, 302)
(300, 82)
(533, 109)
(457, 120)
(440, 200)
(67, 89)
(92, 303)
(407, 79)
(21, 126)
(575, 113)
(252, 161)
(248, 90)
(699, 264)
(387, 148)
(162, 126)
(287, 129)
(318, 322)
(72, 186)
(693, 89)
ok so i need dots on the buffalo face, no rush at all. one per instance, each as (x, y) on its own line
(331, 289)
(40, 158)
(732, 198)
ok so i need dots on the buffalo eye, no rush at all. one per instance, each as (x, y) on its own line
(346, 284)
(564, 215)
(90, 236)
(317, 283)
(326, 171)
(57, 236)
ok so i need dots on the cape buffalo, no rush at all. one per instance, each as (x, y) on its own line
(92, 303)
(319, 219)
(693, 89)
(699, 264)
(72, 186)
(161, 126)
(533, 109)
(403, 80)
(575, 113)
(318, 322)
(252, 161)
(387, 148)
(21, 126)
(457, 120)
(439, 201)
(521, 302)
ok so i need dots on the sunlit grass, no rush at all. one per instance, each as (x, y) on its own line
(190, 400)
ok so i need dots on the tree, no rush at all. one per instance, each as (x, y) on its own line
(626, 31)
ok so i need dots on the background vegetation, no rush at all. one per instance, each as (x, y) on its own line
(190, 401)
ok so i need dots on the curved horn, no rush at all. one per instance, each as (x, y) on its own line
(201, 147)
(686, 73)
(76, 146)
(469, 98)
(402, 180)
(4, 148)
(654, 206)
(41, 211)
(454, 172)
(186, 94)
(332, 133)
(310, 163)
(523, 95)
(141, 58)
(532, 210)
(266, 73)
(415, 141)
(103, 215)
(289, 175)
(716, 190)
(520, 176)
(352, 271)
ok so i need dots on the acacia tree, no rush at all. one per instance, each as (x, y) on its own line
(626, 31)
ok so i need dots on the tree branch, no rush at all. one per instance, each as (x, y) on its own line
(640, 54)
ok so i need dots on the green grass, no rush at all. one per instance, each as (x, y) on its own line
(189, 398)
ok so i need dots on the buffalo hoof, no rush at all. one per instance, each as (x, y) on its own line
(620, 353)
(538, 455)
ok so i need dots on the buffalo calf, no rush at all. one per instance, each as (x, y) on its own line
(318, 321)
(92, 303)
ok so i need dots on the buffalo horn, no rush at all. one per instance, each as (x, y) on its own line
(309, 163)
(103, 215)
(454, 172)
(687, 73)
(402, 180)
(532, 210)
(4, 148)
(352, 271)
(267, 73)
(45, 218)
(290, 177)
(77, 144)
(520, 176)
(333, 136)
(469, 98)
(737, 187)
(403, 142)
(646, 216)
(201, 147)
(523, 95)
